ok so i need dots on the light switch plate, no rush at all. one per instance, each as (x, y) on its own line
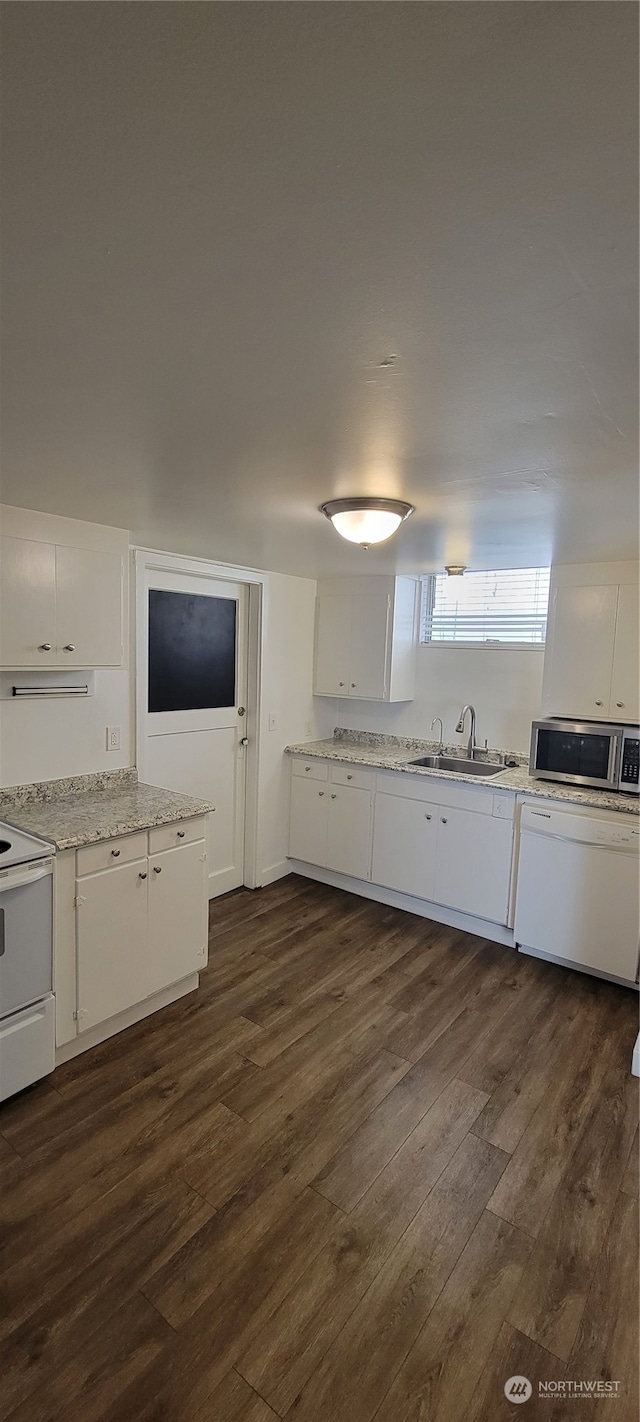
(272, 721)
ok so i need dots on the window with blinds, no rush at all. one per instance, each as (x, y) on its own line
(503, 607)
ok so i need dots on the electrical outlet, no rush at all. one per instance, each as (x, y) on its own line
(272, 721)
(113, 738)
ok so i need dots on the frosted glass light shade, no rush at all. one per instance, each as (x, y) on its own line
(366, 521)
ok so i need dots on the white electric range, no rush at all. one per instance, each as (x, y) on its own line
(27, 1005)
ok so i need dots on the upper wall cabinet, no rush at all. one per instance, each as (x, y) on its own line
(61, 604)
(366, 638)
(591, 659)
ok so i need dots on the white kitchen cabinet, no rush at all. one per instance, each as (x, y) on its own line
(61, 606)
(177, 915)
(27, 602)
(141, 924)
(625, 680)
(591, 667)
(366, 638)
(89, 608)
(473, 863)
(112, 942)
(330, 819)
(349, 831)
(308, 820)
(404, 845)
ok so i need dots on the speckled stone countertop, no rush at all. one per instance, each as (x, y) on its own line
(395, 753)
(90, 808)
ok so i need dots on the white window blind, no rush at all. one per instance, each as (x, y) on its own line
(503, 606)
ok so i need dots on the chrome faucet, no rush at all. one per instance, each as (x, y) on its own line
(437, 720)
(472, 729)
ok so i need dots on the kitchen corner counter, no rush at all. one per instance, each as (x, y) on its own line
(380, 752)
(95, 808)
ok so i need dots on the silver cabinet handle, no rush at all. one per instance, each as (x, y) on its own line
(115, 853)
(70, 647)
(333, 797)
(181, 834)
(598, 703)
(427, 817)
(142, 876)
(156, 869)
(443, 820)
(44, 647)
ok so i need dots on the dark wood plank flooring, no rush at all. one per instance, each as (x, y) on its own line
(372, 1169)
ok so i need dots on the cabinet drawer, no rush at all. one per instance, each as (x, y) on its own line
(352, 775)
(310, 769)
(172, 836)
(110, 853)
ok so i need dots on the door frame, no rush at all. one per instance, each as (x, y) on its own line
(147, 560)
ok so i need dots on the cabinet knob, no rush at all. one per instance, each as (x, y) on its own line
(44, 647)
(619, 703)
(142, 876)
(443, 820)
(156, 869)
(340, 683)
(70, 647)
(349, 777)
(181, 834)
(333, 797)
(598, 703)
(427, 817)
(307, 769)
(115, 853)
(353, 686)
(321, 792)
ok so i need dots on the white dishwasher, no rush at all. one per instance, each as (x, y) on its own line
(578, 891)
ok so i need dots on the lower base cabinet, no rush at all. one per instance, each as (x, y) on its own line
(330, 825)
(141, 926)
(446, 854)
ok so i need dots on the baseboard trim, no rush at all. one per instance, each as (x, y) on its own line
(482, 927)
(275, 871)
(103, 1030)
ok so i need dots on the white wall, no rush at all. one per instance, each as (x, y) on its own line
(46, 740)
(503, 684)
(287, 679)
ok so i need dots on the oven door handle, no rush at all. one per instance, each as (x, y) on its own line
(16, 878)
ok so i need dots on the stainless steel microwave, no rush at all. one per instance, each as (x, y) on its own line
(591, 753)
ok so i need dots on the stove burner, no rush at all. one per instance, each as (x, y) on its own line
(5, 844)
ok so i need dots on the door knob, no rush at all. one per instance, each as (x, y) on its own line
(244, 741)
(70, 647)
(157, 869)
(44, 647)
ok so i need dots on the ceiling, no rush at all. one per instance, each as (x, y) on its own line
(260, 255)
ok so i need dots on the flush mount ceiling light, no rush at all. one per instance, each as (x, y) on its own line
(455, 570)
(366, 521)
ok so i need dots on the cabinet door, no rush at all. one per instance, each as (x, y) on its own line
(88, 608)
(177, 914)
(473, 863)
(368, 666)
(349, 837)
(308, 820)
(27, 603)
(333, 641)
(404, 845)
(625, 682)
(578, 679)
(112, 947)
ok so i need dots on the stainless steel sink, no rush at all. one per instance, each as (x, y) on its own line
(459, 764)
